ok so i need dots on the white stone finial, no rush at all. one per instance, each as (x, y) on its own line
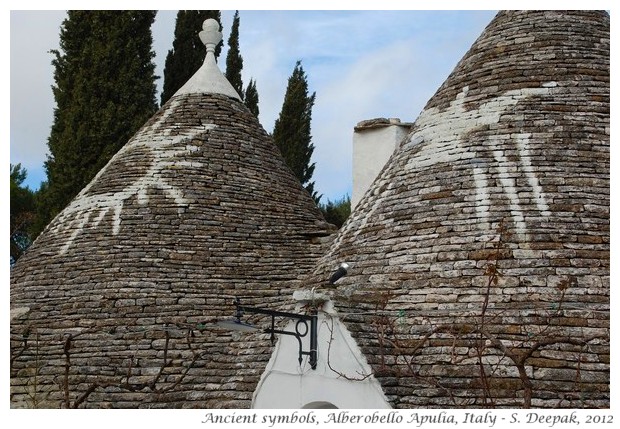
(210, 34)
(209, 78)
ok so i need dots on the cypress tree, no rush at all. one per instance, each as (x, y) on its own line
(188, 52)
(337, 212)
(250, 98)
(104, 91)
(234, 61)
(22, 208)
(291, 132)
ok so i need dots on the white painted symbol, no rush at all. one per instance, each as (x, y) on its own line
(88, 209)
(439, 136)
(444, 131)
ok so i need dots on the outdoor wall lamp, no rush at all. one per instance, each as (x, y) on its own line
(306, 323)
(340, 272)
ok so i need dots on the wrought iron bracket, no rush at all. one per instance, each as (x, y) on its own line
(306, 325)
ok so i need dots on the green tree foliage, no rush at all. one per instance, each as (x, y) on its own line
(337, 212)
(250, 98)
(104, 91)
(234, 61)
(43, 211)
(291, 131)
(22, 212)
(188, 52)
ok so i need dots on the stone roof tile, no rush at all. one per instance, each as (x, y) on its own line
(115, 304)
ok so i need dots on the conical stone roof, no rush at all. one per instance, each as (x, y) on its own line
(114, 304)
(479, 258)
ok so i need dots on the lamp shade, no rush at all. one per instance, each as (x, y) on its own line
(237, 325)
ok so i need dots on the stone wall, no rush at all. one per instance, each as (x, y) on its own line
(115, 304)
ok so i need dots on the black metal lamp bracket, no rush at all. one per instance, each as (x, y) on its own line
(301, 328)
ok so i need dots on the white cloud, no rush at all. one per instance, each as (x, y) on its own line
(31, 87)
(379, 84)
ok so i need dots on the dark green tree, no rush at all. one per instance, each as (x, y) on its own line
(234, 61)
(337, 212)
(188, 51)
(43, 211)
(291, 131)
(22, 212)
(104, 91)
(250, 98)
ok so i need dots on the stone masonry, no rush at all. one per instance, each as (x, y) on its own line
(479, 257)
(115, 305)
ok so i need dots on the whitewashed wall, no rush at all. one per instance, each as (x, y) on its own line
(286, 384)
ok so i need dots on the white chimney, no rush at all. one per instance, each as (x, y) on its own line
(374, 141)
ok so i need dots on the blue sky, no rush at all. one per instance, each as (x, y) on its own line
(361, 64)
